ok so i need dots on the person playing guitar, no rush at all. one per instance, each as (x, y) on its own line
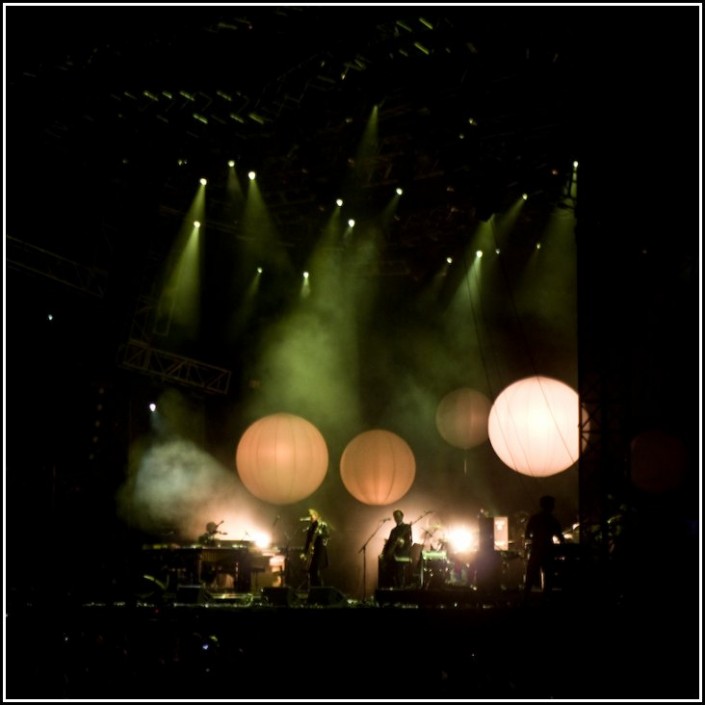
(397, 550)
(315, 553)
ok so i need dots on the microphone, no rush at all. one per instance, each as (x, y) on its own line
(386, 519)
(303, 519)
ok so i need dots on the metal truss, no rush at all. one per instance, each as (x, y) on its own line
(140, 356)
(23, 256)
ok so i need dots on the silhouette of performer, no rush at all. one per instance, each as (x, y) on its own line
(315, 552)
(541, 529)
(209, 538)
(396, 555)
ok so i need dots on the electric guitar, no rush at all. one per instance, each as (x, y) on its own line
(311, 548)
(391, 547)
(320, 532)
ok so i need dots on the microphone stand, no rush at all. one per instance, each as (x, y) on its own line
(363, 550)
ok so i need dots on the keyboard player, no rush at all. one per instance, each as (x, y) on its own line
(209, 538)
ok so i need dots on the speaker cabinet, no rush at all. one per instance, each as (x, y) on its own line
(279, 596)
(326, 596)
(486, 533)
(190, 595)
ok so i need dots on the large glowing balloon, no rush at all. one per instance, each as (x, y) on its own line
(461, 418)
(534, 426)
(377, 467)
(282, 458)
(658, 461)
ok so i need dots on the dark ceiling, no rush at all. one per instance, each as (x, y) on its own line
(113, 113)
(103, 103)
(109, 100)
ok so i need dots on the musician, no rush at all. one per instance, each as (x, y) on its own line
(315, 552)
(542, 531)
(216, 572)
(208, 539)
(396, 555)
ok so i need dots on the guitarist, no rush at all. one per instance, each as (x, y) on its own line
(396, 555)
(316, 548)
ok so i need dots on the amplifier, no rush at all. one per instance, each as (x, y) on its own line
(279, 596)
(326, 596)
(190, 594)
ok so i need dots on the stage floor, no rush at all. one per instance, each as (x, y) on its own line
(443, 644)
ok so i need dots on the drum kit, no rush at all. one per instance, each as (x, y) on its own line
(439, 568)
(436, 569)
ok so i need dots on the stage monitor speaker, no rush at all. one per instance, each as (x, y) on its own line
(326, 596)
(190, 594)
(279, 596)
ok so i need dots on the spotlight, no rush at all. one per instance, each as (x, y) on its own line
(339, 202)
(251, 175)
(351, 223)
(203, 182)
(196, 224)
(399, 191)
(231, 163)
(152, 407)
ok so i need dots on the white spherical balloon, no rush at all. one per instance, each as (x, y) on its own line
(534, 426)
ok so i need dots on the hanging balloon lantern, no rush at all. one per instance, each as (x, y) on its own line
(377, 467)
(534, 426)
(282, 458)
(658, 461)
(461, 418)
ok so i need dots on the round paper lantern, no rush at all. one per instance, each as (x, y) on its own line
(461, 418)
(377, 467)
(534, 426)
(658, 461)
(282, 458)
